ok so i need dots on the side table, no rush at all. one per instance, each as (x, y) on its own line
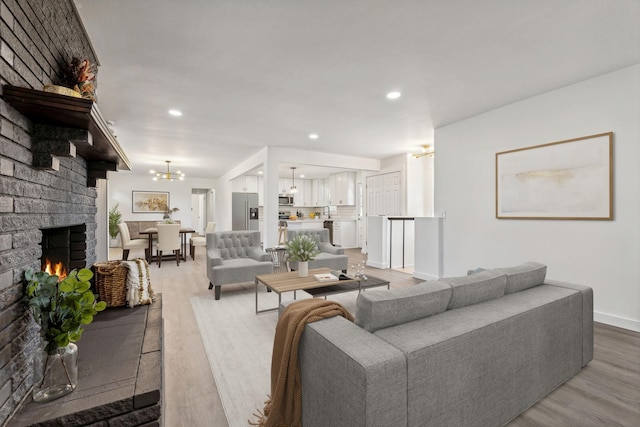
(279, 258)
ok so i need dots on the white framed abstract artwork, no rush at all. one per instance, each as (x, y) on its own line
(570, 179)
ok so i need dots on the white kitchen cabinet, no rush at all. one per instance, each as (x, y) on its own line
(337, 238)
(299, 199)
(308, 193)
(344, 189)
(344, 233)
(305, 224)
(284, 185)
(245, 184)
(304, 197)
(318, 196)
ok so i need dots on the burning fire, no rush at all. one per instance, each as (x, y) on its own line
(55, 269)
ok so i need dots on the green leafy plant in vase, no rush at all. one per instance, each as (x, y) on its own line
(302, 249)
(115, 217)
(61, 308)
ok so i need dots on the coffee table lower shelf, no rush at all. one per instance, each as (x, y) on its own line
(290, 282)
(370, 282)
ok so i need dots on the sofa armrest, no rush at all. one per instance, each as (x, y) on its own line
(587, 316)
(258, 254)
(358, 376)
(213, 258)
(330, 249)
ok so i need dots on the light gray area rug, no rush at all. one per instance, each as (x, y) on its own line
(239, 343)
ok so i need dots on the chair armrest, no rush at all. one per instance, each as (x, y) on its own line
(258, 254)
(329, 248)
(213, 257)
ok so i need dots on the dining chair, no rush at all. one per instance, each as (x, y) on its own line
(168, 240)
(200, 240)
(128, 243)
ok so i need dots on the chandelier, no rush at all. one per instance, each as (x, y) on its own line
(168, 175)
(293, 188)
(425, 152)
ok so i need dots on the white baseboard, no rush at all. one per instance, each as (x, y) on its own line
(424, 276)
(620, 322)
(377, 265)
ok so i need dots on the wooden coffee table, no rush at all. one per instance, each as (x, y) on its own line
(290, 282)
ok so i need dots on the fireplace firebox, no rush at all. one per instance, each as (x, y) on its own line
(66, 246)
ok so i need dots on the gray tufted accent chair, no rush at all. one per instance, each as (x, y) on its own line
(235, 256)
(330, 256)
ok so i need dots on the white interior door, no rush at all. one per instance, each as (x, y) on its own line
(384, 194)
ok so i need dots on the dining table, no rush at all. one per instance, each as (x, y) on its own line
(153, 231)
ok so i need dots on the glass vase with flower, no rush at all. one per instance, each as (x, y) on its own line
(61, 308)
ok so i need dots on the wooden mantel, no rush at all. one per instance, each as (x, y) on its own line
(66, 111)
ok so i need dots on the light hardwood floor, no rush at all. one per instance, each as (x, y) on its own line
(605, 393)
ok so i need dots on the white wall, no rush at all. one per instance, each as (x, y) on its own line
(601, 254)
(420, 186)
(122, 183)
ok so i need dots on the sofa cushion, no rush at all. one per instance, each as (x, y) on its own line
(383, 308)
(523, 276)
(475, 288)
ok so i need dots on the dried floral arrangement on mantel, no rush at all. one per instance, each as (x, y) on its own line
(78, 79)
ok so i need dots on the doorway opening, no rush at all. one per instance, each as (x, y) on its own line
(202, 208)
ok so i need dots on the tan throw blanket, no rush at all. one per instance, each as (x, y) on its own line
(284, 408)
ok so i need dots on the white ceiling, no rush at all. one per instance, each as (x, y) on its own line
(250, 73)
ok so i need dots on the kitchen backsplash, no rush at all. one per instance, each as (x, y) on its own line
(342, 212)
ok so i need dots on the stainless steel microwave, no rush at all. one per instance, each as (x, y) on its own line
(285, 200)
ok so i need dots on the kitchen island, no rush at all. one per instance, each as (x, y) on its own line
(306, 224)
(342, 231)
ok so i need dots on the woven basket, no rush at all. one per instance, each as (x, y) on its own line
(111, 281)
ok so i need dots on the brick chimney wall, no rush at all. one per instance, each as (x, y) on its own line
(37, 38)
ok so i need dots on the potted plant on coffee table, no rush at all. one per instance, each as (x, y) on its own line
(302, 249)
(61, 308)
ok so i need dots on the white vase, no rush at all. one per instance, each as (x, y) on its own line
(303, 268)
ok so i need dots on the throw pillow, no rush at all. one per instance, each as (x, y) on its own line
(523, 276)
(378, 309)
(475, 288)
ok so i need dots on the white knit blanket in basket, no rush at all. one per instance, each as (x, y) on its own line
(139, 290)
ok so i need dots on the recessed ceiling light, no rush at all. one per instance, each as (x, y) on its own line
(176, 113)
(394, 95)
(259, 172)
(301, 175)
(313, 136)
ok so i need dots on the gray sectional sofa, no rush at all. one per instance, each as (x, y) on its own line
(476, 350)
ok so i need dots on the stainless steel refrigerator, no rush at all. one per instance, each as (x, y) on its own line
(244, 211)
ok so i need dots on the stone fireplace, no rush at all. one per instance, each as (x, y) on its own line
(53, 150)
